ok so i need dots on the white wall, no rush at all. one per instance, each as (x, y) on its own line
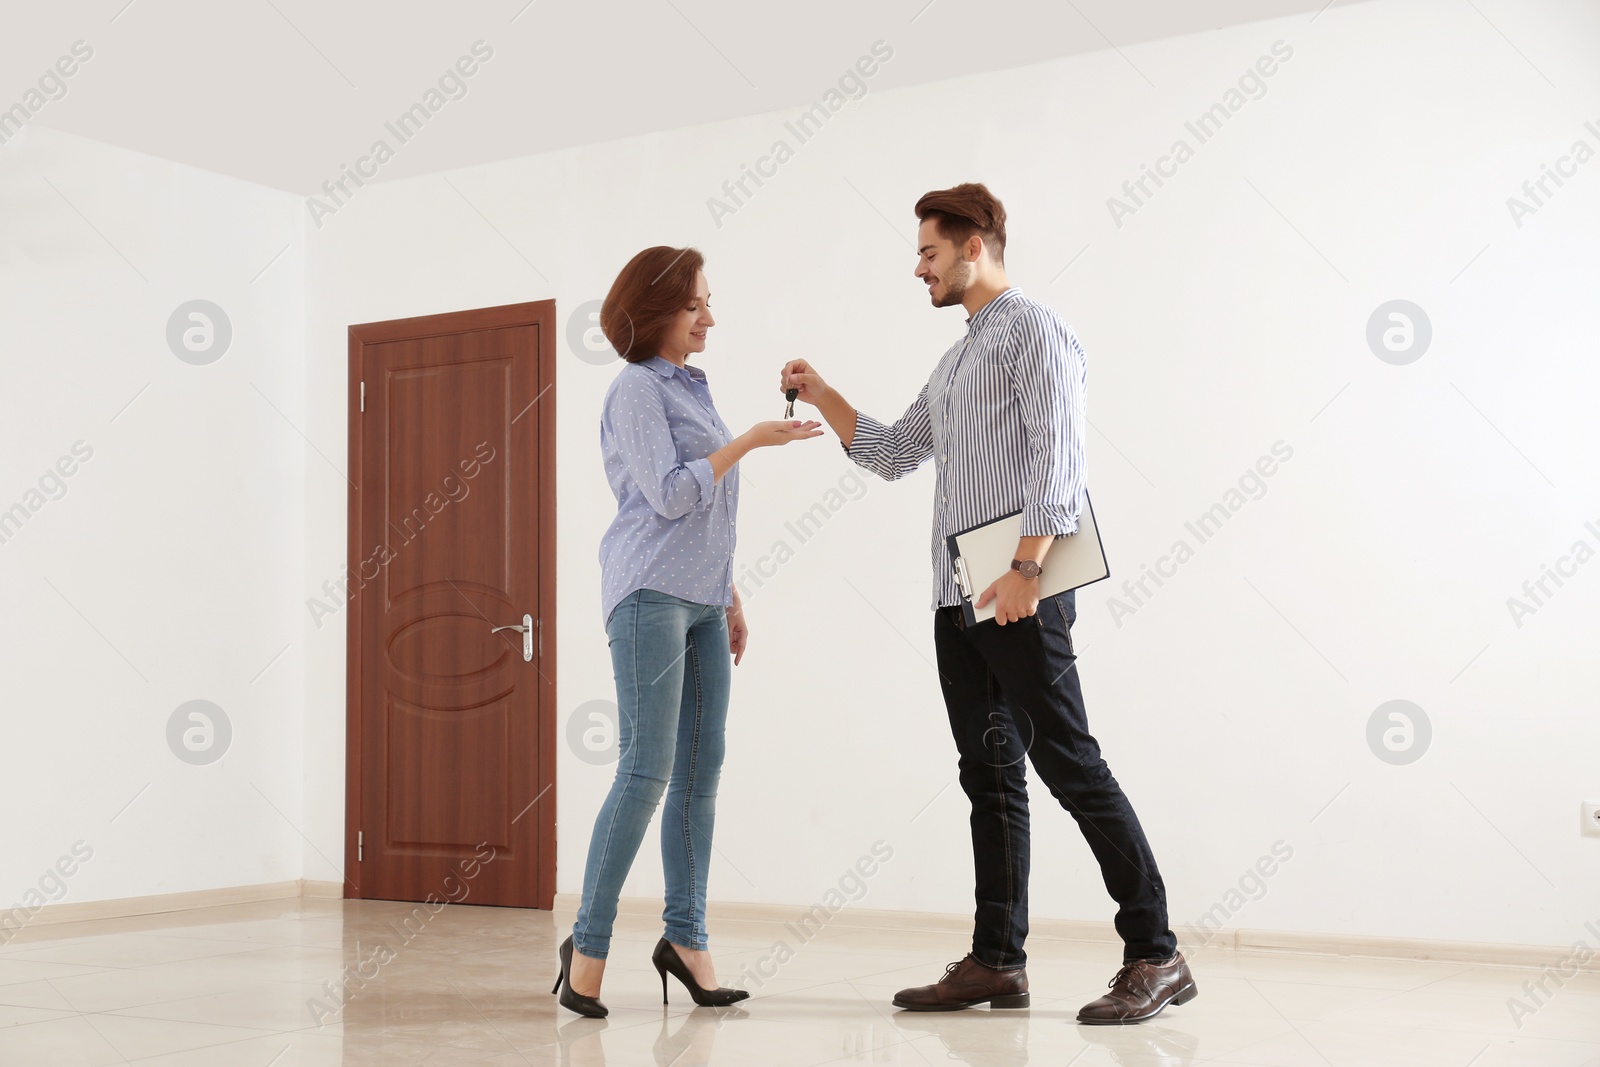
(164, 568)
(1233, 706)
(1227, 314)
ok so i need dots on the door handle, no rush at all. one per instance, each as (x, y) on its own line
(526, 630)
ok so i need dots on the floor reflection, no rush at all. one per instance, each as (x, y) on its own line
(1147, 1044)
(680, 1041)
(996, 1039)
(688, 1042)
(304, 984)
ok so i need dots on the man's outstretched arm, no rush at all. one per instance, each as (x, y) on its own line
(888, 451)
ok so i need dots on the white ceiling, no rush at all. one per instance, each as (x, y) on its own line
(284, 92)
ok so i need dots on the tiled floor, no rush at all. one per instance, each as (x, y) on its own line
(257, 986)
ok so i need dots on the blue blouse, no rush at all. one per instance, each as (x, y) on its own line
(674, 530)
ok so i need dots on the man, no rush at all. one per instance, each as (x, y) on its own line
(1002, 419)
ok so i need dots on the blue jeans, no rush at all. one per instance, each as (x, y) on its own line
(672, 666)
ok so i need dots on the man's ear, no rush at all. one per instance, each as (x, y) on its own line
(974, 248)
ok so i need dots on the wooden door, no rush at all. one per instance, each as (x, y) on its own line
(451, 726)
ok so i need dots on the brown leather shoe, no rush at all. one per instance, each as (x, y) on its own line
(965, 984)
(1140, 990)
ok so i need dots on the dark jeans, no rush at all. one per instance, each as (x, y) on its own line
(1012, 691)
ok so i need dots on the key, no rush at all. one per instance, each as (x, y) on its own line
(790, 395)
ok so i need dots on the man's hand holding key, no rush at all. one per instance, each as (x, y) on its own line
(806, 384)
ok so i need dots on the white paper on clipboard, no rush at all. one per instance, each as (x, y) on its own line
(984, 553)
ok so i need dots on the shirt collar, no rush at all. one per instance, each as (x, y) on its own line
(986, 312)
(666, 368)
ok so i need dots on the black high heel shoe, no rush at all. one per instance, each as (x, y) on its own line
(666, 958)
(570, 999)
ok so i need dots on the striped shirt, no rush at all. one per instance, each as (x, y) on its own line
(1002, 418)
(674, 530)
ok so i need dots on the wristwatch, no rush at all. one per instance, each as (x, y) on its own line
(1027, 567)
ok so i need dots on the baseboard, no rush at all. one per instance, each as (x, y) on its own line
(1193, 941)
(1389, 948)
(160, 904)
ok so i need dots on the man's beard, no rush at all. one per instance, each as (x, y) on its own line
(955, 285)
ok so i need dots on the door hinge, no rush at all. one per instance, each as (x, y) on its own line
(363, 396)
(358, 846)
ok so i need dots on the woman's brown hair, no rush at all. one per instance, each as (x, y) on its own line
(654, 286)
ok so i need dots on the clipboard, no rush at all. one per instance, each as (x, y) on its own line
(984, 553)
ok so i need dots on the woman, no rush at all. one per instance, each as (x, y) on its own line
(672, 615)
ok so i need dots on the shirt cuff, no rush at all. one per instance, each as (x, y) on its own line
(701, 469)
(1044, 520)
(869, 435)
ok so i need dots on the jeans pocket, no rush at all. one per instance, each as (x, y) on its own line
(667, 600)
(1066, 624)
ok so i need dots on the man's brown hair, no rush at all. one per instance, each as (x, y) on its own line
(654, 286)
(967, 209)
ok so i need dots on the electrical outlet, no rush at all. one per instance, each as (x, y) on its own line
(1591, 817)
